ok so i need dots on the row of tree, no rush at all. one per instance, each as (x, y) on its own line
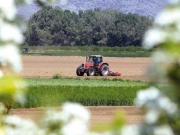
(54, 26)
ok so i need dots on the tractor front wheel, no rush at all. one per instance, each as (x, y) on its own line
(104, 70)
(78, 72)
(90, 71)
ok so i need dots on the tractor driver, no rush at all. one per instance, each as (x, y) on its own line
(95, 59)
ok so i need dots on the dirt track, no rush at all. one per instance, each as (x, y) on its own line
(46, 66)
(101, 114)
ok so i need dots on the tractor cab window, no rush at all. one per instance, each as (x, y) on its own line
(99, 59)
(90, 59)
(94, 58)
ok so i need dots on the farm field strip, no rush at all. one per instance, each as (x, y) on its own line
(48, 66)
(85, 53)
(53, 92)
(91, 92)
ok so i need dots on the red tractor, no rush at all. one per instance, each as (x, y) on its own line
(94, 65)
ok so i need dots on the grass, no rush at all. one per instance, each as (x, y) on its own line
(56, 76)
(85, 53)
(83, 82)
(88, 96)
(129, 51)
(88, 92)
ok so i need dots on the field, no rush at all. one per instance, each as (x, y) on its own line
(99, 114)
(128, 51)
(88, 92)
(48, 66)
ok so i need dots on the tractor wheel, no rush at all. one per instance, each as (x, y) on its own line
(78, 72)
(90, 71)
(104, 70)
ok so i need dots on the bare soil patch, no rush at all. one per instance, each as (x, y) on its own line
(47, 66)
(99, 114)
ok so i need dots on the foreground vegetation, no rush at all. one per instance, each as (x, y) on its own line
(88, 92)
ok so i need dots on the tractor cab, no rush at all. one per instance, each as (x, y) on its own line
(94, 58)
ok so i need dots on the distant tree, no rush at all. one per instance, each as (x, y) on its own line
(54, 26)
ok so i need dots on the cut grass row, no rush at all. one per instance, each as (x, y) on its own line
(85, 53)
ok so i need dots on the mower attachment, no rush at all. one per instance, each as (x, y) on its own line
(111, 73)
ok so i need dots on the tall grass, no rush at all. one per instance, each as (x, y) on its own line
(86, 95)
(88, 92)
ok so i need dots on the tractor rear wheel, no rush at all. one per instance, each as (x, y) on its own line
(78, 72)
(104, 70)
(90, 71)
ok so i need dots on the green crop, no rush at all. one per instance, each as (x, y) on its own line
(88, 92)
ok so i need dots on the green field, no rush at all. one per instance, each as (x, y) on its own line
(130, 51)
(85, 53)
(88, 92)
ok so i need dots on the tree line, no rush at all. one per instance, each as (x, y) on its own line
(54, 26)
